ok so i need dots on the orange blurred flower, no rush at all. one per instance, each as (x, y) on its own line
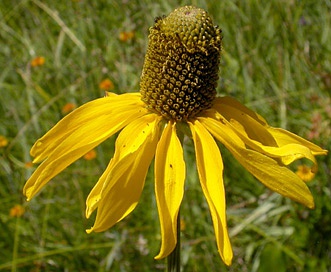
(3, 141)
(17, 211)
(38, 61)
(92, 154)
(68, 108)
(106, 85)
(126, 36)
(182, 224)
(28, 164)
(304, 172)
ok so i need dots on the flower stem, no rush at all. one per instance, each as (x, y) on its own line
(173, 260)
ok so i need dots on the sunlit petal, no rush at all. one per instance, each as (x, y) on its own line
(210, 169)
(90, 133)
(283, 137)
(94, 196)
(287, 153)
(276, 143)
(273, 175)
(125, 144)
(100, 115)
(220, 102)
(49, 169)
(118, 191)
(169, 186)
(244, 120)
(232, 109)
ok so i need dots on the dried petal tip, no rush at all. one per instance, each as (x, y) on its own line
(180, 72)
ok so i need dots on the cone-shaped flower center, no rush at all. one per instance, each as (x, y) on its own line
(180, 72)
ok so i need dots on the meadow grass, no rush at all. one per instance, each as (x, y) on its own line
(276, 60)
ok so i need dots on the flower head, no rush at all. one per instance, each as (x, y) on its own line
(178, 88)
(180, 73)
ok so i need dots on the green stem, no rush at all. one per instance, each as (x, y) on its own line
(173, 260)
(16, 244)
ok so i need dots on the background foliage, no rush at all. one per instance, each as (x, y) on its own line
(276, 60)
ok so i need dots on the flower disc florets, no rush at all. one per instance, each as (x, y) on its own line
(180, 72)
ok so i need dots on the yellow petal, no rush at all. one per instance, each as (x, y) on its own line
(273, 142)
(89, 133)
(246, 123)
(287, 153)
(232, 109)
(118, 191)
(169, 186)
(49, 169)
(219, 102)
(283, 137)
(90, 117)
(276, 177)
(94, 196)
(210, 169)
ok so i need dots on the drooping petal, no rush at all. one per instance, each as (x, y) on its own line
(49, 169)
(118, 191)
(210, 169)
(219, 102)
(169, 186)
(287, 153)
(95, 122)
(283, 137)
(96, 116)
(273, 175)
(273, 142)
(94, 196)
(245, 120)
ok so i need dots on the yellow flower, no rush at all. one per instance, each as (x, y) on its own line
(177, 96)
(17, 211)
(3, 141)
(38, 61)
(106, 85)
(305, 173)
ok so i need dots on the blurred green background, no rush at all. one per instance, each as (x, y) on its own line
(276, 60)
